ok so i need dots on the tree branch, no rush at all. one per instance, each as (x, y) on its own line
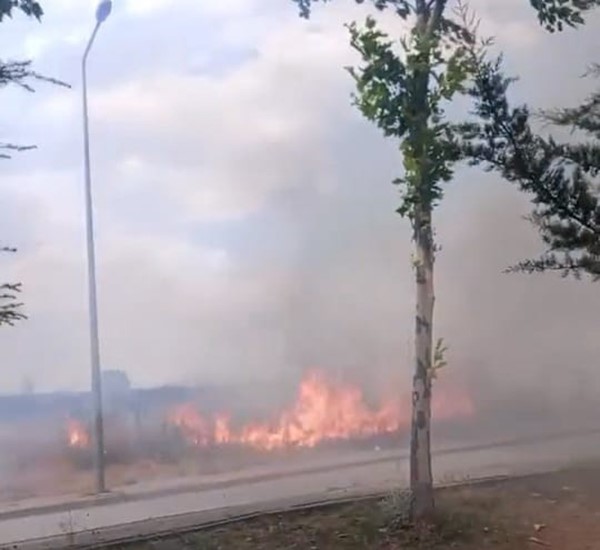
(436, 16)
(10, 309)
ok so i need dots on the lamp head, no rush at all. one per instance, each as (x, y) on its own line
(103, 10)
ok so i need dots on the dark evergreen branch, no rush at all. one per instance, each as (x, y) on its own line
(585, 117)
(401, 7)
(553, 15)
(567, 265)
(559, 177)
(18, 72)
(10, 308)
(16, 148)
(30, 8)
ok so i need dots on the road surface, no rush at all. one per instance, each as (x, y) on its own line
(120, 518)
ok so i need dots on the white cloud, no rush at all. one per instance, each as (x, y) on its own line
(233, 140)
(146, 7)
(221, 8)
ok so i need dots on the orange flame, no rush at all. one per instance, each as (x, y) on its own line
(322, 411)
(77, 435)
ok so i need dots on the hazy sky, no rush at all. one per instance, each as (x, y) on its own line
(245, 216)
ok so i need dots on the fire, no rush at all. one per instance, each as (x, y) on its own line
(77, 435)
(194, 427)
(322, 411)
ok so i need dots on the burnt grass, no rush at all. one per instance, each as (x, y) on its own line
(560, 510)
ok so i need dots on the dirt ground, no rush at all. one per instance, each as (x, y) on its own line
(63, 476)
(557, 511)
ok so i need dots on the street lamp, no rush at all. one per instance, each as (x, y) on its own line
(102, 13)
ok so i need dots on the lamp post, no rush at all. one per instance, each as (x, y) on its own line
(102, 12)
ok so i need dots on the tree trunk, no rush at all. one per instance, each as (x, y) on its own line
(421, 479)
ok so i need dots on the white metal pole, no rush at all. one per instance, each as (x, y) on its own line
(98, 424)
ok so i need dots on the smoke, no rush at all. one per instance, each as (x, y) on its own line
(246, 226)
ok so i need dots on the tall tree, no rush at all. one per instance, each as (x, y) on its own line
(403, 87)
(405, 94)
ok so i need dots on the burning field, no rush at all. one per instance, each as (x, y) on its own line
(323, 411)
(192, 435)
(177, 432)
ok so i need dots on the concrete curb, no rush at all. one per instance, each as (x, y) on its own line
(197, 521)
(205, 485)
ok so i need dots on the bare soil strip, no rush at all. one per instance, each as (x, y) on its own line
(560, 510)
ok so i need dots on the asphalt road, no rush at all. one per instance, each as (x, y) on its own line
(168, 511)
